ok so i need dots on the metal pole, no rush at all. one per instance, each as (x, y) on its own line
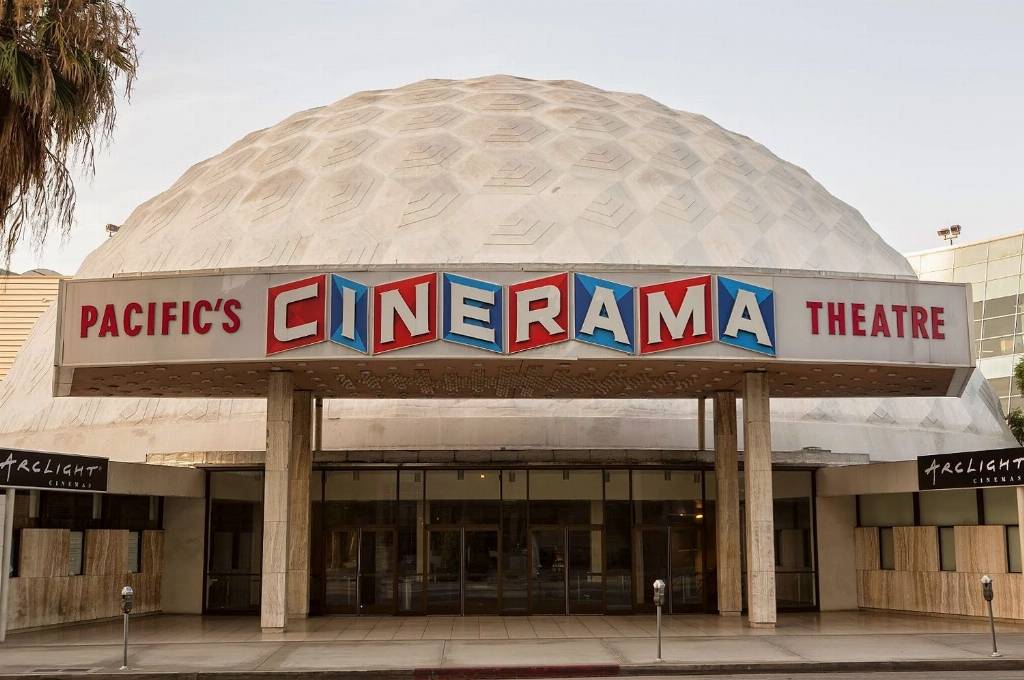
(124, 662)
(6, 544)
(992, 625)
(659, 632)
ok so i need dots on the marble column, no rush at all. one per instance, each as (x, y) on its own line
(727, 506)
(701, 417)
(6, 539)
(274, 601)
(1020, 517)
(300, 464)
(757, 476)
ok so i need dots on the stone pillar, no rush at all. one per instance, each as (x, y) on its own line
(701, 417)
(1020, 518)
(274, 599)
(6, 540)
(300, 464)
(757, 475)
(727, 506)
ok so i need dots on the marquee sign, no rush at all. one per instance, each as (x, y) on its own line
(970, 470)
(633, 314)
(55, 471)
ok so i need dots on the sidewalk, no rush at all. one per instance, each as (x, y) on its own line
(425, 647)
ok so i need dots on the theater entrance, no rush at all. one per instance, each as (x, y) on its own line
(462, 570)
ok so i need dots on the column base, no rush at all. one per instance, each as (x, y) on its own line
(273, 630)
(757, 624)
(736, 613)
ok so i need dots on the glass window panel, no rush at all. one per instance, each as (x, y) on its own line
(1004, 404)
(1004, 247)
(996, 367)
(968, 255)
(463, 496)
(410, 485)
(618, 547)
(132, 552)
(997, 347)
(949, 508)
(616, 485)
(711, 485)
(931, 262)
(976, 330)
(978, 309)
(566, 485)
(947, 549)
(661, 496)
(886, 509)
(1001, 386)
(991, 328)
(997, 288)
(129, 512)
(360, 497)
(791, 484)
(1007, 266)
(976, 348)
(65, 510)
(1001, 306)
(234, 541)
(886, 548)
(514, 554)
(1013, 548)
(76, 552)
(974, 273)
(1000, 505)
(513, 485)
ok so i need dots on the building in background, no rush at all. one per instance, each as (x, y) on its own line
(993, 268)
(23, 299)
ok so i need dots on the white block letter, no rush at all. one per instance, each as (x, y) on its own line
(282, 331)
(659, 309)
(460, 311)
(392, 304)
(545, 316)
(604, 313)
(746, 316)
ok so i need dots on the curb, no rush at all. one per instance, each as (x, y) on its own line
(554, 671)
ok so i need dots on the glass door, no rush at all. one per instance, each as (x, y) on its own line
(377, 571)
(586, 573)
(341, 573)
(650, 556)
(548, 587)
(480, 571)
(687, 568)
(444, 571)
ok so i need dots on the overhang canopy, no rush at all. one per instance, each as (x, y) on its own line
(511, 332)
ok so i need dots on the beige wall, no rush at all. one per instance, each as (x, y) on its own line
(862, 479)
(44, 593)
(140, 479)
(23, 299)
(184, 527)
(917, 584)
(837, 576)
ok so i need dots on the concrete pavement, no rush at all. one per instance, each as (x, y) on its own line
(517, 646)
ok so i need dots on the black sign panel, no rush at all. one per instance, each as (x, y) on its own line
(56, 471)
(972, 469)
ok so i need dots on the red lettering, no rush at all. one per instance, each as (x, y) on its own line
(108, 326)
(202, 327)
(151, 318)
(815, 307)
(918, 319)
(880, 325)
(167, 316)
(185, 316)
(899, 311)
(233, 323)
(131, 329)
(837, 318)
(90, 315)
(857, 312)
(937, 323)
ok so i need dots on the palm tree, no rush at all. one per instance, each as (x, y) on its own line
(1015, 418)
(60, 63)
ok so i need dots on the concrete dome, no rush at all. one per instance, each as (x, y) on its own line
(489, 170)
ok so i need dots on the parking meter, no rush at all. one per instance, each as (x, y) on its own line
(659, 592)
(127, 600)
(659, 600)
(987, 593)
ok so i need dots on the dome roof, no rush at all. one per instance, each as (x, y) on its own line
(493, 170)
(496, 170)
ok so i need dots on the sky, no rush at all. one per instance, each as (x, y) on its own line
(912, 112)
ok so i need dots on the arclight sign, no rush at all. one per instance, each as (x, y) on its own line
(635, 313)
